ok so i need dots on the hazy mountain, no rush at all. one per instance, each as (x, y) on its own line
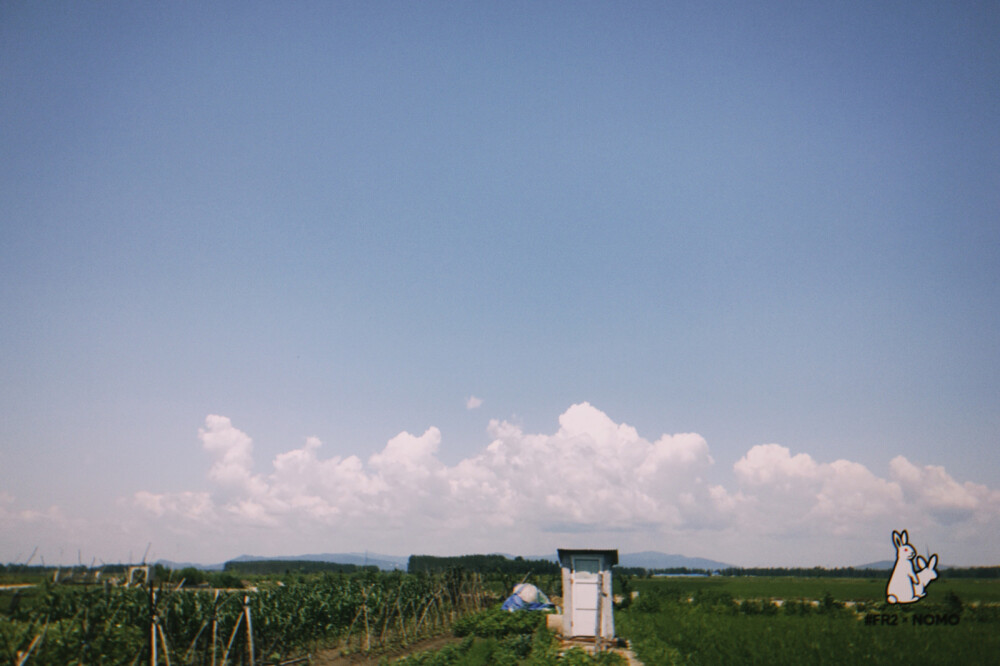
(651, 559)
(384, 562)
(881, 564)
(176, 566)
(646, 559)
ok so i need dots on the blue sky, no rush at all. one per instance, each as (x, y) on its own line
(267, 222)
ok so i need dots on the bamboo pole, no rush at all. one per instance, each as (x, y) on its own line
(246, 610)
(402, 618)
(368, 639)
(187, 655)
(163, 639)
(152, 625)
(420, 620)
(232, 637)
(350, 629)
(215, 623)
(386, 622)
(23, 657)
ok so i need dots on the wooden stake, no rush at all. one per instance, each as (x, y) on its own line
(215, 623)
(232, 637)
(246, 611)
(368, 640)
(163, 639)
(152, 625)
(23, 657)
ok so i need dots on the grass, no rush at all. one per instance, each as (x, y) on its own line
(843, 589)
(685, 621)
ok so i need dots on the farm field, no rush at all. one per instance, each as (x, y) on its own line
(717, 620)
(361, 619)
(842, 589)
(274, 621)
(499, 638)
(723, 620)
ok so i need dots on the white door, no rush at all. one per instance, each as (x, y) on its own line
(586, 588)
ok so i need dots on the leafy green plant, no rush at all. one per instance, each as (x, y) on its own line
(113, 625)
(538, 649)
(676, 630)
(495, 622)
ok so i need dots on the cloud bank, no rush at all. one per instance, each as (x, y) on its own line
(592, 482)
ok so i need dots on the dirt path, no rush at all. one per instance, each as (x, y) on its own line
(333, 657)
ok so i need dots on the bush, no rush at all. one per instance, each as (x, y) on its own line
(647, 603)
(829, 604)
(579, 657)
(518, 645)
(796, 607)
(715, 598)
(495, 623)
(225, 580)
(190, 576)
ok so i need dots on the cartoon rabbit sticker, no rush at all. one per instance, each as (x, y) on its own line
(907, 584)
(926, 572)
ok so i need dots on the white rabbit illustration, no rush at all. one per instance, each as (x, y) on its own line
(926, 572)
(903, 581)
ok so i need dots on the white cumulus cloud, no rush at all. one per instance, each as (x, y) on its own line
(592, 480)
(794, 494)
(935, 492)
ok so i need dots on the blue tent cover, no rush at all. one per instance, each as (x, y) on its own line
(515, 603)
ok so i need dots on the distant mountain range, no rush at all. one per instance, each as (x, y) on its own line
(651, 559)
(881, 564)
(889, 564)
(646, 559)
(384, 562)
(177, 566)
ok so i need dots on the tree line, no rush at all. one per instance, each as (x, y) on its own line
(484, 564)
(273, 567)
(803, 572)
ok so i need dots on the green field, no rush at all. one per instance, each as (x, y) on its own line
(723, 620)
(98, 624)
(842, 589)
(717, 620)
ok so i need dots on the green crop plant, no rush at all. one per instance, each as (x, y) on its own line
(112, 625)
(677, 622)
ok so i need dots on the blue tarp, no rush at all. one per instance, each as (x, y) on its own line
(515, 603)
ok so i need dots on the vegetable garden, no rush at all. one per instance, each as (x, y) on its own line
(496, 637)
(112, 625)
(716, 620)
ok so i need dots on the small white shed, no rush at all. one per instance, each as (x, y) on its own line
(587, 596)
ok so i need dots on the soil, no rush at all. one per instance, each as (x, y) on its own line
(333, 656)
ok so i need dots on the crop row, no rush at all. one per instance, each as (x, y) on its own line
(678, 623)
(127, 626)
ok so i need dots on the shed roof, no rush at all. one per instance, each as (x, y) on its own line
(611, 555)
